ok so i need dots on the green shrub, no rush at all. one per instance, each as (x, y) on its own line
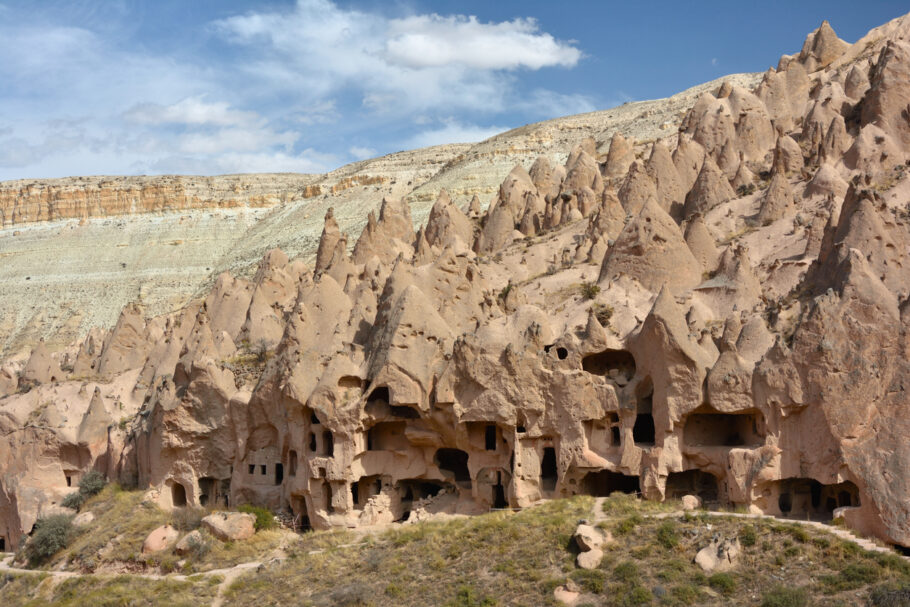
(50, 535)
(603, 313)
(264, 517)
(74, 500)
(667, 535)
(785, 597)
(199, 547)
(723, 583)
(891, 595)
(639, 595)
(685, 594)
(627, 571)
(187, 519)
(92, 483)
(589, 290)
(590, 580)
(747, 536)
(627, 524)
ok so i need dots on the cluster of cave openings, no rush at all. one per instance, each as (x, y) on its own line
(808, 498)
(616, 365)
(365, 488)
(178, 495)
(549, 473)
(327, 445)
(453, 463)
(692, 482)
(604, 482)
(387, 436)
(643, 431)
(712, 429)
(214, 492)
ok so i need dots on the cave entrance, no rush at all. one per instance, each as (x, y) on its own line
(643, 432)
(279, 473)
(328, 444)
(2, 544)
(549, 473)
(604, 482)
(616, 365)
(380, 394)
(499, 493)
(414, 489)
(387, 436)
(489, 437)
(301, 514)
(807, 498)
(711, 429)
(327, 497)
(178, 495)
(292, 463)
(206, 490)
(454, 463)
(692, 482)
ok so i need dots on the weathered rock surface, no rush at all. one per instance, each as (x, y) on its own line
(161, 538)
(741, 346)
(230, 526)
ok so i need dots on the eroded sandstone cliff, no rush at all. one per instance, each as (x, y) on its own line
(721, 312)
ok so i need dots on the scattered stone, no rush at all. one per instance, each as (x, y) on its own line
(230, 526)
(160, 539)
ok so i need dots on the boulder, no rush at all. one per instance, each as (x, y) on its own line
(160, 539)
(230, 526)
(719, 556)
(589, 537)
(691, 502)
(188, 542)
(83, 519)
(590, 559)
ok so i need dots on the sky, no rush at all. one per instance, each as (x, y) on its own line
(211, 87)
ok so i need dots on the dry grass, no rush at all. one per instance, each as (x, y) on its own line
(109, 592)
(499, 558)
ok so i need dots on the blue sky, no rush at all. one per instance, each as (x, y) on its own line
(221, 86)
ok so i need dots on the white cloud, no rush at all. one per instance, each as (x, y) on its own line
(192, 110)
(454, 132)
(714, 61)
(433, 41)
(360, 153)
(397, 66)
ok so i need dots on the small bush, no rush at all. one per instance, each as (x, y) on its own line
(590, 580)
(667, 535)
(74, 500)
(639, 595)
(51, 535)
(723, 583)
(187, 519)
(627, 524)
(785, 597)
(603, 313)
(589, 290)
(685, 594)
(199, 547)
(264, 517)
(891, 595)
(627, 571)
(92, 483)
(747, 536)
(745, 190)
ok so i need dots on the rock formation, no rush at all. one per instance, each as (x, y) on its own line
(606, 324)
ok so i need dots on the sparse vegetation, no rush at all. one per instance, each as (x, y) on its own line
(782, 596)
(73, 501)
(589, 290)
(92, 483)
(747, 189)
(603, 313)
(264, 517)
(50, 536)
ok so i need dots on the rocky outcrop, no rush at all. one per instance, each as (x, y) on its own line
(593, 330)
